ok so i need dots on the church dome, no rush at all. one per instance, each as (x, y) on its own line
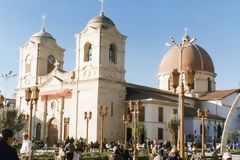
(193, 57)
(101, 21)
(42, 34)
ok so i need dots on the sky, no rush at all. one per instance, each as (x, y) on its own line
(147, 24)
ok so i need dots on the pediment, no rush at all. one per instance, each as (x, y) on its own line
(52, 81)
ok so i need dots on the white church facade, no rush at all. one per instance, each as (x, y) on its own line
(99, 79)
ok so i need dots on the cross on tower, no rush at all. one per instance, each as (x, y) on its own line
(102, 2)
(43, 20)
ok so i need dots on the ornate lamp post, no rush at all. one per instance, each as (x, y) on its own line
(66, 121)
(177, 81)
(126, 119)
(31, 95)
(134, 107)
(203, 114)
(1, 101)
(87, 117)
(102, 113)
(25, 118)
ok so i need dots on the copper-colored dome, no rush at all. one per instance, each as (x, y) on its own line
(194, 57)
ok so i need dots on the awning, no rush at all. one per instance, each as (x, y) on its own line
(56, 93)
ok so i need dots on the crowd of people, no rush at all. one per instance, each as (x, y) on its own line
(72, 149)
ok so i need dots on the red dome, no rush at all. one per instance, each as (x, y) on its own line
(194, 57)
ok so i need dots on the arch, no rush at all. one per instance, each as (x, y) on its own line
(52, 131)
(28, 61)
(113, 54)
(38, 131)
(227, 123)
(209, 84)
(50, 63)
(169, 84)
(219, 131)
(88, 52)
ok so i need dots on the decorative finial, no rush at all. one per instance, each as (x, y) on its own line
(186, 30)
(43, 20)
(102, 2)
(185, 38)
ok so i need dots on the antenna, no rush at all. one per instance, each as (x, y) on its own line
(102, 2)
(43, 20)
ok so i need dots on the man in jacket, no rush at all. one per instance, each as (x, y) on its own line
(6, 150)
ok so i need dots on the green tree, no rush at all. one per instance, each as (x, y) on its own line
(232, 135)
(141, 132)
(172, 126)
(9, 118)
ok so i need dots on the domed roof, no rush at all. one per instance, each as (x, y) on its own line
(42, 33)
(193, 57)
(101, 21)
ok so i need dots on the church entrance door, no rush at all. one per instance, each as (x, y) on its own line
(52, 132)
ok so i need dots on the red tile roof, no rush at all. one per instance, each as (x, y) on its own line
(220, 94)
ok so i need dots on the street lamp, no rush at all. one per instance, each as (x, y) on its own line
(6, 77)
(102, 113)
(1, 101)
(31, 95)
(87, 117)
(134, 107)
(203, 114)
(126, 119)
(25, 118)
(66, 121)
(177, 81)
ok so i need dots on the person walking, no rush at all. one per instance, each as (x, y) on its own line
(7, 152)
(26, 149)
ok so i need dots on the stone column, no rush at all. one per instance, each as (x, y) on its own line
(60, 135)
(44, 117)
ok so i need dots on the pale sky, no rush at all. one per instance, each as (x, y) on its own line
(146, 23)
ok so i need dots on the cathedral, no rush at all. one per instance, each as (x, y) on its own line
(99, 80)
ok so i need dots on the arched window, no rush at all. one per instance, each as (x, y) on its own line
(141, 117)
(50, 63)
(219, 131)
(169, 84)
(209, 85)
(38, 131)
(112, 54)
(28, 61)
(87, 52)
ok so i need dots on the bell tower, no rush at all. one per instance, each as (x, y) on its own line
(100, 69)
(101, 50)
(37, 57)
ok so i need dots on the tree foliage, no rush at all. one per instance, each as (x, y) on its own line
(172, 126)
(9, 118)
(232, 136)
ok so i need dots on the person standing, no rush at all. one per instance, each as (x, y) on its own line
(26, 149)
(6, 150)
(69, 148)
